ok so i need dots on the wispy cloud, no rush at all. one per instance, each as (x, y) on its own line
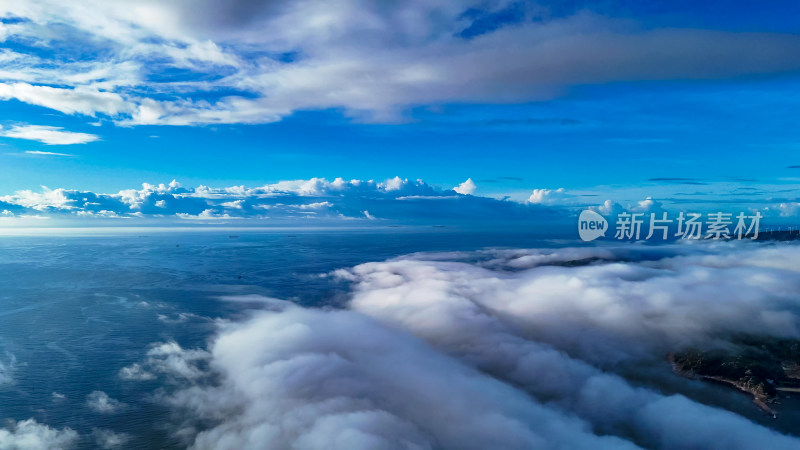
(638, 140)
(38, 152)
(404, 53)
(678, 180)
(48, 135)
(501, 179)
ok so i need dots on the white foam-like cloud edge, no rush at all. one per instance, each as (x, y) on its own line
(8, 366)
(32, 435)
(108, 440)
(100, 402)
(29, 434)
(491, 349)
(401, 55)
(309, 200)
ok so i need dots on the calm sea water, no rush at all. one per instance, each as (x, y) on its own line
(74, 310)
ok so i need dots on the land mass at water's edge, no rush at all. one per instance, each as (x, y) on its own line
(761, 366)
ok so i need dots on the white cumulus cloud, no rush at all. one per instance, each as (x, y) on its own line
(466, 188)
(315, 199)
(548, 196)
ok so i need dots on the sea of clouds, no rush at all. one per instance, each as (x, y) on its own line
(499, 348)
(489, 349)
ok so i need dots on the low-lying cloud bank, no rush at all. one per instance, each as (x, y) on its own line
(305, 378)
(308, 201)
(322, 202)
(493, 349)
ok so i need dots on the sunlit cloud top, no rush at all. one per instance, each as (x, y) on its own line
(183, 62)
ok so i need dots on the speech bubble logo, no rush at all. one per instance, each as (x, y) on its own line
(591, 225)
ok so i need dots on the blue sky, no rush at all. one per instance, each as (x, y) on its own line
(613, 100)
